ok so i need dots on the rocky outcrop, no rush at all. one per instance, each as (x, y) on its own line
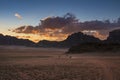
(114, 36)
(111, 44)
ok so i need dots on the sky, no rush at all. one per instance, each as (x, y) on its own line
(17, 13)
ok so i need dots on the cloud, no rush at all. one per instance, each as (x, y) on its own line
(26, 29)
(99, 34)
(57, 27)
(18, 16)
(54, 24)
(57, 22)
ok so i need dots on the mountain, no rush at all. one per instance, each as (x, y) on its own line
(111, 44)
(73, 39)
(9, 40)
(95, 47)
(79, 38)
(46, 43)
(114, 37)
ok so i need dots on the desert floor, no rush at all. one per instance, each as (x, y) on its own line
(23, 63)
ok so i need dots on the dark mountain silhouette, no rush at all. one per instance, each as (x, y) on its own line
(114, 37)
(46, 43)
(73, 39)
(9, 40)
(111, 44)
(95, 47)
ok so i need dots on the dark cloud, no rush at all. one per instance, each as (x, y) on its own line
(97, 25)
(68, 24)
(54, 22)
(27, 29)
(58, 22)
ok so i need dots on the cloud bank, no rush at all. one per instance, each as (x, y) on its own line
(60, 27)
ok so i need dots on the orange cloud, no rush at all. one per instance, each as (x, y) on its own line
(96, 34)
(100, 36)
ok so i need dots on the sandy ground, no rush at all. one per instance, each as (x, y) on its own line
(14, 55)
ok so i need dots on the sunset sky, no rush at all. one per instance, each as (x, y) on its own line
(48, 19)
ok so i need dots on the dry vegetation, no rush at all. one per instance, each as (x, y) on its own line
(21, 63)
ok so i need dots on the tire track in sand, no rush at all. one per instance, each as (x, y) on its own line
(104, 65)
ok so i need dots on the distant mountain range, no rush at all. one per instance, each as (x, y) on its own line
(9, 40)
(72, 40)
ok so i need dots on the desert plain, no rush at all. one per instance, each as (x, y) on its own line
(28, 63)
